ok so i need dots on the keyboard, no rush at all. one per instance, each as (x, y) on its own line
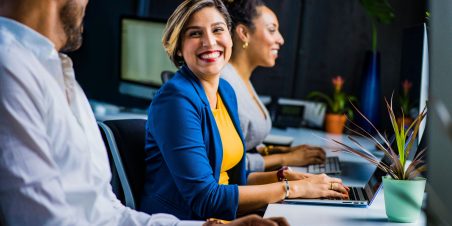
(331, 166)
(356, 194)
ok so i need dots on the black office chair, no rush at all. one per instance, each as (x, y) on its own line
(125, 140)
(166, 75)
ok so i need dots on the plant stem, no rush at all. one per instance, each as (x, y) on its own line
(374, 35)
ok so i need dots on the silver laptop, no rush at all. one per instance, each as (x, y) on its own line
(331, 166)
(359, 196)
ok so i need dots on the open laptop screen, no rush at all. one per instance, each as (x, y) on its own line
(374, 183)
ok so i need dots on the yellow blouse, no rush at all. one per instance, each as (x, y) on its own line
(232, 144)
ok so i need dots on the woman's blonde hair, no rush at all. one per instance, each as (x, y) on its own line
(172, 35)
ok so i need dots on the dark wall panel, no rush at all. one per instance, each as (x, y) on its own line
(335, 36)
(322, 38)
(97, 62)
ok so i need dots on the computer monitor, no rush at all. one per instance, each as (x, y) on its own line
(415, 67)
(142, 57)
(425, 81)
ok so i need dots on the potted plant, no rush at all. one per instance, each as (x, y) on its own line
(403, 188)
(405, 104)
(337, 106)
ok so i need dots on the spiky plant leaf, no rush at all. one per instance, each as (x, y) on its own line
(404, 139)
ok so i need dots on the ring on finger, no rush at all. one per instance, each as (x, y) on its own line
(331, 186)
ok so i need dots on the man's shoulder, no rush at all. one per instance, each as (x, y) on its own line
(18, 67)
(13, 54)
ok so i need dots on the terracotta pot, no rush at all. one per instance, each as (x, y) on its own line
(335, 123)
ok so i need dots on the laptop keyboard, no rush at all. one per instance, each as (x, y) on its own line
(356, 194)
(331, 166)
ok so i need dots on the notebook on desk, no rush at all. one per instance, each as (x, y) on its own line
(359, 196)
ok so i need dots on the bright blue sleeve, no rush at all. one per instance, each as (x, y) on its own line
(177, 125)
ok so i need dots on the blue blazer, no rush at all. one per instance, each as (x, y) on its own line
(183, 153)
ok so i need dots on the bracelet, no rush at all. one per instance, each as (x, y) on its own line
(287, 188)
(280, 173)
(266, 150)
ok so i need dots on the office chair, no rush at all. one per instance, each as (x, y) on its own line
(125, 139)
(166, 75)
(115, 181)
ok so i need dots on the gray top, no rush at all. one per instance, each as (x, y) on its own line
(255, 126)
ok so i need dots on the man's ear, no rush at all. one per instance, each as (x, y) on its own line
(242, 32)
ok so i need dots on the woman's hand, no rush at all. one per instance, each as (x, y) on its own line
(251, 220)
(293, 175)
(304, 155)
(318, 186)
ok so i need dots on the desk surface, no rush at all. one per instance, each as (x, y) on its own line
(355, 172)
(314, 137)
(334, 215)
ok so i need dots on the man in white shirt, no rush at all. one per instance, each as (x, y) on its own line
(53, 164)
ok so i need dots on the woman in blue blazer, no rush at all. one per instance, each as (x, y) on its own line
(184, 148)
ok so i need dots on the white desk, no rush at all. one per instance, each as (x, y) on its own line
(314, 137)
(355, 172)
(334, 215)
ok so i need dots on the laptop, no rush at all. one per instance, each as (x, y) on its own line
(359, 196)
(331, 166)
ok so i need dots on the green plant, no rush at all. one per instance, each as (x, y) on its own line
(378, 11)
(404, 99)
(404, 139)
(337, 104)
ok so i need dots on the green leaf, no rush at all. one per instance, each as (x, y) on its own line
(379, 10)
(319, 95)
(404, 141)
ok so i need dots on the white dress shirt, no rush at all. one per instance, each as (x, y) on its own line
(54, 167)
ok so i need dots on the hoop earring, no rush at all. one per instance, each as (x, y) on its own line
(245, 45)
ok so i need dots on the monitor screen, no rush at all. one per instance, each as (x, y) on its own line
(415, 68)
(424, 92)
(142, 57)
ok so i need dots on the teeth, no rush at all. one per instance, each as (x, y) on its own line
(210, 55)
(275, 52)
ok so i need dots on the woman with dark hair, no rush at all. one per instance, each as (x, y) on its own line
(194, 152)
(257, 41)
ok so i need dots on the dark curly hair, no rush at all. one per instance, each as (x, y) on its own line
(243, 12)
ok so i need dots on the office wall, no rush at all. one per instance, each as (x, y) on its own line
(96, 63)
(323, 38)
(332, 39)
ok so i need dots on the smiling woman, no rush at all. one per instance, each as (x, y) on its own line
(257, 40)
(194, 153)
(206, 45)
